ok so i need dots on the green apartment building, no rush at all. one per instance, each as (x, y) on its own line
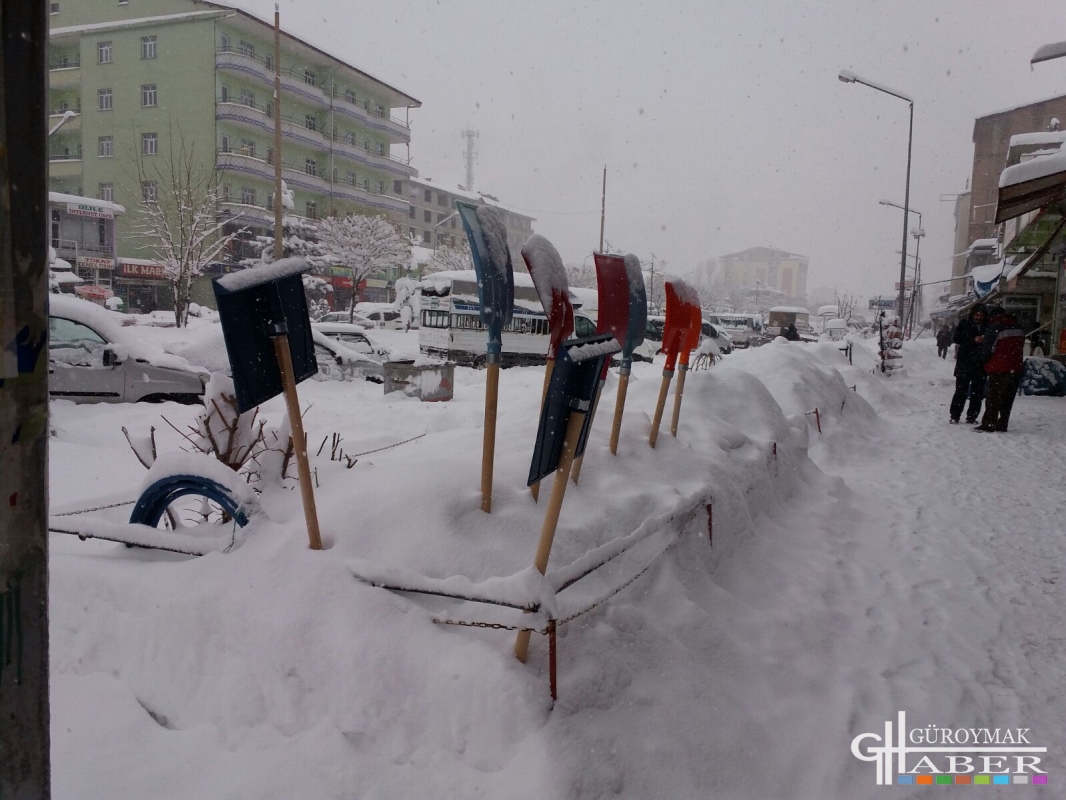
(144, 75)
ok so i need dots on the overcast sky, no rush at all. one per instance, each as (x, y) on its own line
(722, 124)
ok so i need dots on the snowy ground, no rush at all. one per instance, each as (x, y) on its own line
(890, 563)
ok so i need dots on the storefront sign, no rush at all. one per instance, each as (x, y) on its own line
(341, 281)
(92, 262)
(341, 272)
(86, 210)
(154, 272)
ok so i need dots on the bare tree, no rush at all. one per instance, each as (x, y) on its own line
(581, 276)
(364, 244)
(178, 220)
(450, 257)
(845, 306)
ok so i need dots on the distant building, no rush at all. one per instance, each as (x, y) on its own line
(764, 266)
(432, 220)
(82, 232)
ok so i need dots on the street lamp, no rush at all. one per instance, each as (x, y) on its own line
(67, 116)
(847, 76)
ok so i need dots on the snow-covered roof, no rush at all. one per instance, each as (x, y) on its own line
(987, 273)
(133, 23)
(978, 244)
(1033, 169)
(830, 310)
(141, 262)
(789, 310)
(60, 197)
(473, 197)
(1037, 137)
(66, 278)
(1007, 110)
(443, 279)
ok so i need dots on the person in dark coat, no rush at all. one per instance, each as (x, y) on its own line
(791, 333)
(943, 340)
(1002, 351)
(969, 365)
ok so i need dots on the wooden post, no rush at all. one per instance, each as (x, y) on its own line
(678, 392)
(575, 474)
(619, 408)
(548, 368)
(668, 374)
(24, 709)
(488, 445)
(555, 507)
(299, 440)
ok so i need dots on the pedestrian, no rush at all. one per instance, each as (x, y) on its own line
(1002, 352)
(969, 365)
(943, 340)
(791, 333)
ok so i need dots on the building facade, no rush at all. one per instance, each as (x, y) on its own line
(764, 266)
(431, 219)
(151, 77)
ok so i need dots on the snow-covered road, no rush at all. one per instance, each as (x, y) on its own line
(906, 565)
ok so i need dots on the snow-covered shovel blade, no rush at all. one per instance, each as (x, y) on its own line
(549, 277)
(636, 324)
(689, 341)
(677, 322)
(495, 280)
(612, 284)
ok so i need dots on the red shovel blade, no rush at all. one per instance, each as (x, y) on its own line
(549, 277)
(612, 282)
(677, 322)
(691, 337)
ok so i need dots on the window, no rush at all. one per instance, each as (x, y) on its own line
(247, 98)
(397, 187)
(366, 145)
(310, 166)
(107, 192)
(224, 147)
(427, 196)
(223, 43)
(269, 61)
(148, 96)
(311, 122)
(334, 175)
(440, 218)
(411, 212)
(380, 111)
(270, 202)
(366, 184)
(312, 209)
(269, 110)
(248, 148)
(225, 93)
(103, 52)
(149, 144)
(380, 148)
(101, 233)
(349, 138)
(349, 95)
(147, 47)
(427, 216)
(453, 222)
(270, 156)
(412, 232)
(248, 195)
(53, 8)
(149, 191)
(350, 179)
(381, 187)
(68, 333)
(246, 49)
(103, 99)
(105, 146)
(309, 77)
(224, 192)
(427, 237)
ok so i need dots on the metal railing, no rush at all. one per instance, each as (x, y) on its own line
(72, 62)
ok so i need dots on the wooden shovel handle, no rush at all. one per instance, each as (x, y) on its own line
(488, 446)
(619, 408)
(659, 406)
(534, 488)
(678, 392)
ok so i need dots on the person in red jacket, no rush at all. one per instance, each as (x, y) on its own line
(1003, 350)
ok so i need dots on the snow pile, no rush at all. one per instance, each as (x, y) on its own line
(272, 671)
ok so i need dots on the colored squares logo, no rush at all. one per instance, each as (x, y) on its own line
(997, 779)
(1041, 779)
(983, 779)
(1021, 779)
(962, 779)
(905, 780)
(925, 779)
(943, 779)
(966, 780)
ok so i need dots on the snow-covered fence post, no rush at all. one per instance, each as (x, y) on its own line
(24, 711)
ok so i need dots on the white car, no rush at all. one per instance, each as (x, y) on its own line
(344, 316)
(653, 339)
(93, 359)
(355, 337)
(341, 361)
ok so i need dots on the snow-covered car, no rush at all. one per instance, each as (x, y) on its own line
(344, 316)
(354, 337)
(653, 339)
(340, 361)
(380, 315)
(93, 359)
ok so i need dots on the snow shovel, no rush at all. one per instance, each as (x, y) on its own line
(634, 338)
(677, 322)
(612, 317)
(689, 343)
(549, 277)
(495, 284)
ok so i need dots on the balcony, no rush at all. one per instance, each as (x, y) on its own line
(244, 214)
(299, 179)
(64, 73)
(294, 83)
(368, 198)
(396, 130)
(390, 164)
(235, 61)
(236, 161)
(64, 164)
(255, 116)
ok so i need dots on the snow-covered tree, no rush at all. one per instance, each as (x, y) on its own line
(177, 218)
(450, 257)
(581, 276)
(363, 244)
(408, 293)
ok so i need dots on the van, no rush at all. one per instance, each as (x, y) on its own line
(746, 330)
(450, 324)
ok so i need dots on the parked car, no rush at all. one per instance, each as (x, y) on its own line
(380, 315)
(339, 361)
(355, 337)
(344, 316)
(653, 339)
(93, 359)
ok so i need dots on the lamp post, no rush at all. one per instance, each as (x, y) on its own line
(846, 76)
(917, 233)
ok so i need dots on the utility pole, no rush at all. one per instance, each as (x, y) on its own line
(470, 155)
(24, 716)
